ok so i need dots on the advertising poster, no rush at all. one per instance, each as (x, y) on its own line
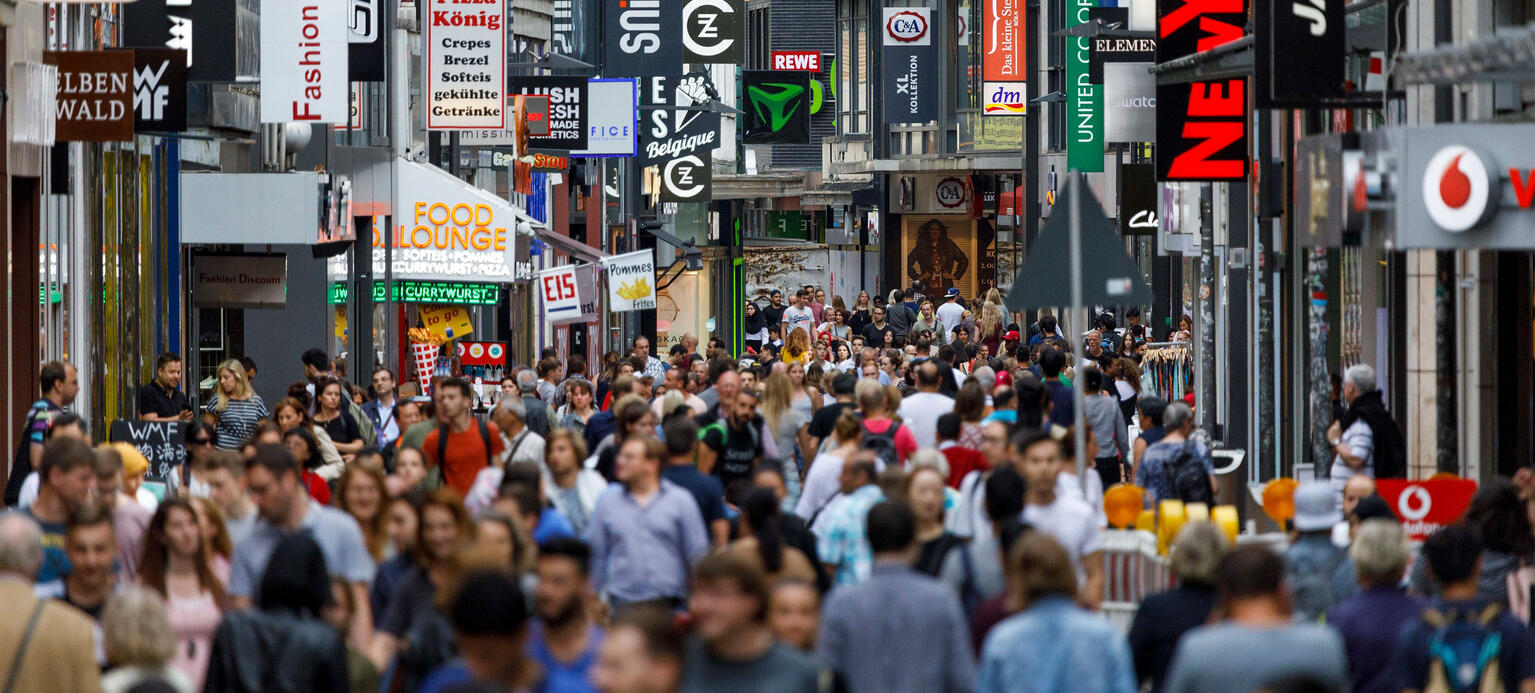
(940, 251)
(910, 65)
(466, 65)
(610, 124)
(631, 281)
(303, 62)
(1003, 67)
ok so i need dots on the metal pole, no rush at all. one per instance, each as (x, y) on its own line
(1078, 313)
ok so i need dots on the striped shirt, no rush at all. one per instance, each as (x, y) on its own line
(238, 420)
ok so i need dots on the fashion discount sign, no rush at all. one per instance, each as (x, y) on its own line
(466, 64)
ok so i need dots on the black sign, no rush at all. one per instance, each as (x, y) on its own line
(910, 66)
(159, 90)
(687, 179)
(567, 109)
(1190, 26)
(669, 133)
(1138, 200)
(158, 441)
(365, 41)
(777, 106)
(205, 29)
(1299, 52)
(1105, 49)
(642, 38)
(714, 31)
(1202, 131)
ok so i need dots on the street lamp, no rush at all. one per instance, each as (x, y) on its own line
(692, 259)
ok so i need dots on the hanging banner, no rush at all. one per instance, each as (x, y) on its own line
(1202, 131)
(641, 38)
(365, 41)
(1084, 105)
(910, 65)
(567, 118)
(1298, 53)
(610, 127)
(1185, 27)
(631, 281)
(777, 107)
(1138, 200)
(1129, 103)
(1004, 39)
(159, 90)
(714, 31)
(687, 179)
(670, 133)
(466, 65)
(561, 294)
(204, 30)
(303, 61)
(95, 95)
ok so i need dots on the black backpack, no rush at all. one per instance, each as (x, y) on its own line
(883, 444)
(1187, 477)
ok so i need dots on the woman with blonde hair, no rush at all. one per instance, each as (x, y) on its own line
(990, 327)
(804, 396)
(139, 643)
(787, 424)
(363, 493)
(860, 316)
(235, 407)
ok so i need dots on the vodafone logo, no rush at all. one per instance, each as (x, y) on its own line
(1458, 187)
(1414, 503)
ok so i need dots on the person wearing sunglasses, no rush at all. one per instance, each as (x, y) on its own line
(198, 438)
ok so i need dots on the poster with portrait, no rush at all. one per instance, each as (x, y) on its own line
(939, 250)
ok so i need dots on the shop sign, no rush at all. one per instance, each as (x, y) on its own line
(1298, 53)
(950, 193)
(1202, 131)
(687, 179)
(1319, 189)
(550, 160)
(671, 133)
(586, 285)
(204, 30)
(158, 441)
(561, 294)
(365, 40)
(240, 281)
(568, 26)
(1465, 186)
(911, 65)
(1084, 100)
(1185, 27)
(1129, 103)
(807, 61)
(714, 31)
(303, 61)
(446, 322)
(566, 121)
(448, 230)
(610, 125)
(159, 90)
(1004, 38)
(1137, 200)
(631, 281)
(95, 95)
(1108, 49)
(464, 294)
(480, 353)
(354, 110)
(466, 65)
(777, 107)
(642, 38)
(1425, 507)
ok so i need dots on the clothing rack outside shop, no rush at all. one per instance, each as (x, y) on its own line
(1167, 370)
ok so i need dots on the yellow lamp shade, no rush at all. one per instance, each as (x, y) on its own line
(1225, 517)
(1171, 516)
(1197, 512)
(1122, 504)
(1146, 521)
(1279, 499)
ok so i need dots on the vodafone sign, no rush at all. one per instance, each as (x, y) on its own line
(1465, 186)
(1426, 506)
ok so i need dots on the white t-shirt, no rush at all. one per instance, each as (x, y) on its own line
(821, 485)
(799, 319)
(1067, 484)
(1069, 520)
(920, 413)
(951, 315)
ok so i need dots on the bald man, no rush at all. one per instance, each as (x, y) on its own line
(1356, 488)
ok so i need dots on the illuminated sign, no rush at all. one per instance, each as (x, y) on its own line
(453, 293)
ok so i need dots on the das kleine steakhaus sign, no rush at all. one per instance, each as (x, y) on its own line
(95, 95)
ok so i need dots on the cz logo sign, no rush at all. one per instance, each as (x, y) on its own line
(685, 179)
(712, 31)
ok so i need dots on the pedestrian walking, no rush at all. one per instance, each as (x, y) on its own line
(235, 407)
(1163, 618)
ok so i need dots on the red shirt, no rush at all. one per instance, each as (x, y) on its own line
(318, 489)
(466, 454)
(962, 461)
(905, 442)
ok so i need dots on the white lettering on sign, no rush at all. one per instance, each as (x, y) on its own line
(466, 65)
(808, 61)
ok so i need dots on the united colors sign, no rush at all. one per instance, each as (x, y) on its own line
(1003, 66)
(1084, 100)
(910, 65)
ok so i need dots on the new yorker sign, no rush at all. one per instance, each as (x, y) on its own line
(95, 95)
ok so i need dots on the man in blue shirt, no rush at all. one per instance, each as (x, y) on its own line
(1063, 409)
(645, 536)
(1371, 620)
(708, 492)
(563, 639)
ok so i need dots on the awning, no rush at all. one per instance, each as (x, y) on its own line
(571, 246)
(449, 230)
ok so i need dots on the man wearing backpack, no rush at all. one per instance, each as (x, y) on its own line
(469, 444)
(1460, 642)
(732, 445)
(1318, 573)
(890, 441)
(1174, 467)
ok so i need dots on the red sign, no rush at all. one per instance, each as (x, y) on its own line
(1004, 41)
(1202, 131)
(807, 61)
(481, 353)
(1426, 506)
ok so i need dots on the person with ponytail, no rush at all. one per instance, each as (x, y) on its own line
(762, 541)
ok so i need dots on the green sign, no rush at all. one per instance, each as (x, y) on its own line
(1084, 100)
(427, 292)
(778, 106)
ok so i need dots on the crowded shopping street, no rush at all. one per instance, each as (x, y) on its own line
(767, 346)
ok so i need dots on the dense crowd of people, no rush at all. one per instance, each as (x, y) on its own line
(873, 498)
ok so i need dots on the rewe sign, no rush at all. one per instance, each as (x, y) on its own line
(808, 61)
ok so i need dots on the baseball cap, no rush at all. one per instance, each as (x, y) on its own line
(953, 291)
(1004, 378)
(1315, 507)
(1010, 336)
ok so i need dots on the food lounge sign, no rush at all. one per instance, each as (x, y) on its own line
(95, 95)
(448, 232)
